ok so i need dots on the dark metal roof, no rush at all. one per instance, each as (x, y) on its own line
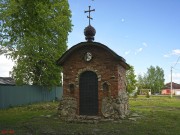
(174, 86)
(63, 58)
(7, 81)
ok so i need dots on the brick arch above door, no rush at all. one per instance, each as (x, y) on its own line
(84, 70)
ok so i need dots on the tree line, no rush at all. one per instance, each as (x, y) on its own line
(153, 79)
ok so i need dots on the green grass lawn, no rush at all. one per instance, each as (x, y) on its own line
(158, 115)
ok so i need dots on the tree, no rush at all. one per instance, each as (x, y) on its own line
(35, 33)
(153, 79)
(142, 81)
(147, 94)
(3, 50)
(131, 80)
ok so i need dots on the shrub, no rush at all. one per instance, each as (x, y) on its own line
(147, 95)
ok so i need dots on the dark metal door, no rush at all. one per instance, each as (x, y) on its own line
(88, 93)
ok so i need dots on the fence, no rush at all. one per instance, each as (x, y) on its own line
(22, 95)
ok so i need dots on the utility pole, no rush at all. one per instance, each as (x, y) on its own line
(171, 82)
(171, 74)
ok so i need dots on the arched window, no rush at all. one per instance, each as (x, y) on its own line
(105, 87)
(71, 88)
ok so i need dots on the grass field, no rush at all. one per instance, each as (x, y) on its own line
(158, 115)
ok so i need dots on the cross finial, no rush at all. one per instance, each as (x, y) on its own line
(90, 18)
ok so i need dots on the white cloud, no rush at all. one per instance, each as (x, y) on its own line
(173, 52)
(127, 52)
(138, 50)
(166, 55)
(144, 44)
(176, 52)
(176, 77)
(122, 20)
(141, 48)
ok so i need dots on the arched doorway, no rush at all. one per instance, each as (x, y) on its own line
(88, 95)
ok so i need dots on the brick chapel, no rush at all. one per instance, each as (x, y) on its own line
(94, 80)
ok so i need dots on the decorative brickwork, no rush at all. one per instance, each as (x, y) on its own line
(109, 68)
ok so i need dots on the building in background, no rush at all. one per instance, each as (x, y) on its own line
(6, 81)
(167, 89)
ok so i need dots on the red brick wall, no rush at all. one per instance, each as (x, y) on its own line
(121, 78)
(103, 64)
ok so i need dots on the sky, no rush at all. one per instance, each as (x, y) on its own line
(144, 32)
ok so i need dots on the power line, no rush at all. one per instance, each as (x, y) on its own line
(171, 73)
(176, 62)
(176, 69)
